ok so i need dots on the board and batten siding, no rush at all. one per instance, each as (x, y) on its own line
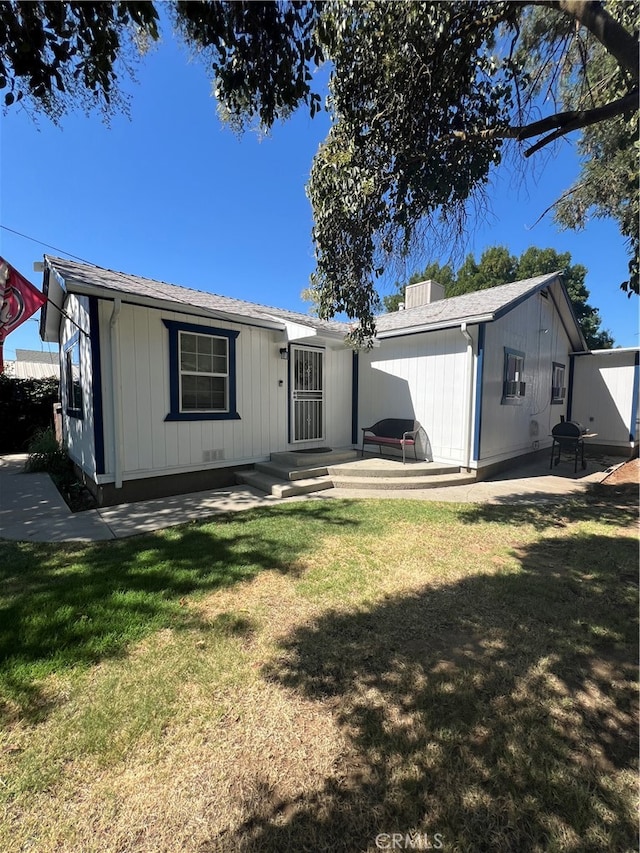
(152, 446)
(78, 432)
(603, 396)
(534, 329)
(338, 398)
(421, 376)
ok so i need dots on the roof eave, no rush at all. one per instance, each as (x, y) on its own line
(577, 340)
(53, 288)
(434, 327)
(109, 294)
(611, 351)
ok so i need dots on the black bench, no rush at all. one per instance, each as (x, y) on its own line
(392, 432)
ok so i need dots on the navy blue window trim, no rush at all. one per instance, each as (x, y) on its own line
(73, 389)
(513, 391)
(175, 327)
(477, 427)
(96, 372)
(354, 396)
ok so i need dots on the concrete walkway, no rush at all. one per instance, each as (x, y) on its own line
(31, 508)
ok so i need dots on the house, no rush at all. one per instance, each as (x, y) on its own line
(33, 364)
(167, 389)
(486, 373)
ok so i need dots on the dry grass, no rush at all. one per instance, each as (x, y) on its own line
(412, 668)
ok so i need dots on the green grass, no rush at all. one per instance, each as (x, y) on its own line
(307, 677)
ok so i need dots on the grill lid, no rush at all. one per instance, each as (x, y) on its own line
(568, 429)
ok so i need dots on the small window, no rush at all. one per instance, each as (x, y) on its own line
(514, 386)
(202, 372)
(558, 389)
(73, 385)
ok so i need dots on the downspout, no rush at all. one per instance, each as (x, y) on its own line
(469, 395)
(633, 426)
(116, 390)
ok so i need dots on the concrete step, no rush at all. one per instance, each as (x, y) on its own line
(283, 473)
(402, 483)
(391, 468)
(296, 459)
(280, 488)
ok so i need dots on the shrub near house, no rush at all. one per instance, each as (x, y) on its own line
(26, 407)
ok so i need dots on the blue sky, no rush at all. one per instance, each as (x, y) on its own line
(171, 194)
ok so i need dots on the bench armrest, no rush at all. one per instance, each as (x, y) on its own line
(412, 432)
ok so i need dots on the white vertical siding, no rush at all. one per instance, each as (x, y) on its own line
(78, 433)
(153, 446)
(419, 376)
(533, 328)
(338, 371)
(603, 402)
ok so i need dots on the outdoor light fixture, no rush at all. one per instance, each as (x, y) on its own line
(284, 354)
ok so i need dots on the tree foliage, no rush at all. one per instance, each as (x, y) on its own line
(423, 98)
(498, 266)
(57, 56)
(26, 407)
(608, 183)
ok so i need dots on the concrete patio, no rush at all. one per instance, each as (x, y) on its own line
(31, 508)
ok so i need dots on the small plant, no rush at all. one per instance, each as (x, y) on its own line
(46, 454)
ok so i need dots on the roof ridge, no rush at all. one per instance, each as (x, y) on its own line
(471, 293)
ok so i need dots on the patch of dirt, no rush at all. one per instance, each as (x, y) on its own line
(628, 472)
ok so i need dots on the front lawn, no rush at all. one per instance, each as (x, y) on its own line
(326, 676)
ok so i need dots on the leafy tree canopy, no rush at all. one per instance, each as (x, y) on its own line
(498, 266)
(423, 97)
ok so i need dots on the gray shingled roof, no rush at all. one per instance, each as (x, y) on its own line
(93, 276)
(37, 357)
(482, 304)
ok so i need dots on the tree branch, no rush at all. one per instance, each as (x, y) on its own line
(575, 120)
(592, 15)
(559, 123)
(564, 195)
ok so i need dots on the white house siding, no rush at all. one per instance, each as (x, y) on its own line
(603, 390)
(338, 396)
(535, 329)
(78, 433)
(421, 376)
(152, 446)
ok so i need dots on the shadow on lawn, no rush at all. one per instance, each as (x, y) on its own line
(496, 711)
(70, 605)
(615, 506)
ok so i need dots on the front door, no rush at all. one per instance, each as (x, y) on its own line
(307, 394)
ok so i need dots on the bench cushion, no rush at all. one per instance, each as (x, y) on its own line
(385, 439)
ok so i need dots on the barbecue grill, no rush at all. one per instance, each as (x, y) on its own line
(569, 438)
